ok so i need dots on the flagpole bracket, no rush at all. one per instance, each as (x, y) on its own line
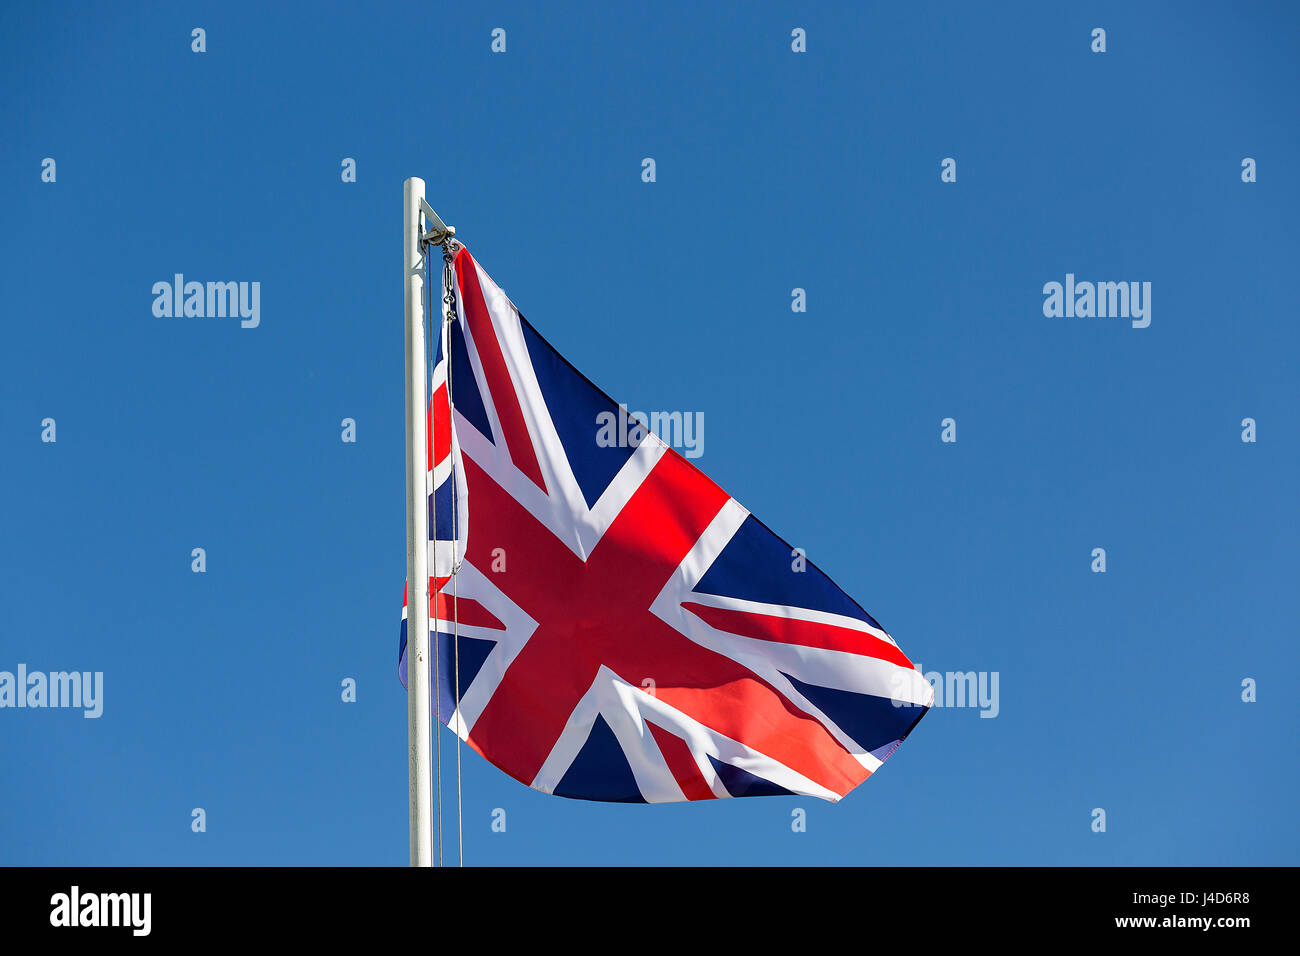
(439, 232)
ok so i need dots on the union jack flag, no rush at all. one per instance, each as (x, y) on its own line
(626, 630)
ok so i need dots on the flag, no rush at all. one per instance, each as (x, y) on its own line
(621, 628)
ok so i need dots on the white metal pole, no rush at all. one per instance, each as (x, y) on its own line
(417, 533)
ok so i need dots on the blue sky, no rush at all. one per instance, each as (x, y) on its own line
(775, 170)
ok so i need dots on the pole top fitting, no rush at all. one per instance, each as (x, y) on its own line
(439, 232)
(438, 236)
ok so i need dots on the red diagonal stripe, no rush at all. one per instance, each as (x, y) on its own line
(515, 430)
(472, 613)
(683, 766)
(434, 585)
(786, 630)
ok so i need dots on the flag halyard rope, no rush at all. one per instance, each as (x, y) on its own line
(449, 298)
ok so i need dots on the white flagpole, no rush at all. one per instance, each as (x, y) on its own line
(419, 740)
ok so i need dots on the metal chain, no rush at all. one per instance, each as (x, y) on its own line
(449, 277)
